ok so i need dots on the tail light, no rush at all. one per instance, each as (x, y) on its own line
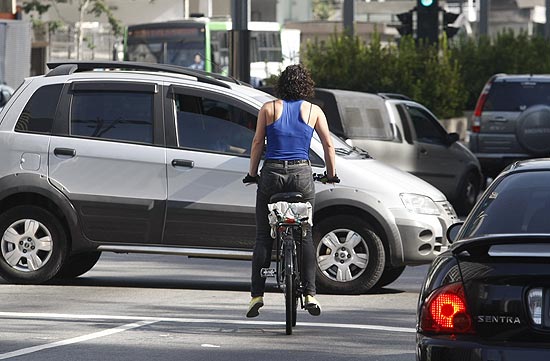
(476, 120)
(445, 311)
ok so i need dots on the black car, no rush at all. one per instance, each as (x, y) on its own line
(488, 296)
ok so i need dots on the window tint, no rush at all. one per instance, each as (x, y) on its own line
(213, 125)
(520, 203)
(125, 116)
(39, 113)
(516, 96)
(428, 130)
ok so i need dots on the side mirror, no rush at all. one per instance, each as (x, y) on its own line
(452, 231)
(452, 138)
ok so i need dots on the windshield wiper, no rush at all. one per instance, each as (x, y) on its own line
(362, 152)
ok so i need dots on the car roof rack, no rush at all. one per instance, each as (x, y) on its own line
(394, 96)
(70, 67)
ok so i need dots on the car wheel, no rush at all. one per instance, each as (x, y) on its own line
(389, 275)
(33, 245)
(467, 194)
(533, 129)
(350, 255)
(78, 264)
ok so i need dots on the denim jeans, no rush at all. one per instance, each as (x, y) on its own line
(277, 178)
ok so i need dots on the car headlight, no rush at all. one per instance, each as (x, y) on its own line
(419, 204)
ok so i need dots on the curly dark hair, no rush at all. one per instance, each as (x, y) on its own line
(295, 83)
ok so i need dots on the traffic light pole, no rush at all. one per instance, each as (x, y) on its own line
(484, 17)
(240, 41)
(547, 25)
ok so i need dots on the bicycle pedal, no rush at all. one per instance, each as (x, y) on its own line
(267, 272)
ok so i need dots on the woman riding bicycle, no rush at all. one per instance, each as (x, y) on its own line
(288, 124)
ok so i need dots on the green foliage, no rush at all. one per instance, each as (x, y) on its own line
(424, 73)
(446, 78)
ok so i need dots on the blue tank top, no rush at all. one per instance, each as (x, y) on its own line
(289, 137)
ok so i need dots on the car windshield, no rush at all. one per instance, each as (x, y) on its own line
(516, 96)
(519, 204)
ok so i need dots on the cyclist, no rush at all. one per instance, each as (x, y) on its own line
(288, 124)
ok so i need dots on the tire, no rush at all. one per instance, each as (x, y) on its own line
(350, 255)
(33, 245)
(467, 195)
(290, 299)
(78, 264)
(533, 128)
(389, 275)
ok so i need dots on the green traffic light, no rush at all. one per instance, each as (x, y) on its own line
(426, 2)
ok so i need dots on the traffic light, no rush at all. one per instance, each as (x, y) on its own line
(427, 27)
(406, 19)
(448, 21)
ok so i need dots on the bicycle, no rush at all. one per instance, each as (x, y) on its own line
(288, 218)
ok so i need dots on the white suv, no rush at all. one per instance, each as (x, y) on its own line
(132, 157)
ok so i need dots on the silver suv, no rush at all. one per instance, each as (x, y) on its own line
(511, 121)
(130, 157)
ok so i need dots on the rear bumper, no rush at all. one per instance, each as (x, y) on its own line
(446, 349)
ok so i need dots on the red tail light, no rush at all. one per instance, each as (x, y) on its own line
(445, 311)
(476, 120)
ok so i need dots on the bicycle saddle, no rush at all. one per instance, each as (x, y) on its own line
(290, 197)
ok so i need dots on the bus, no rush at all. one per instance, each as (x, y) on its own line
(203, 44)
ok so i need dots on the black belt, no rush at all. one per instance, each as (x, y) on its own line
(287, 162)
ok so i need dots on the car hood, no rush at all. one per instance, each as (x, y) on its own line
(374, 175)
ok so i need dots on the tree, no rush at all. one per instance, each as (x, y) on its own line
(95, 7)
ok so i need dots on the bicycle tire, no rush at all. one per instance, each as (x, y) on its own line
(290, 299)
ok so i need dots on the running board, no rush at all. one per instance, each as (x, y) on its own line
(190, 252)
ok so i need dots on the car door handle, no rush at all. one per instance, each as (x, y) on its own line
(183, 163)
(423, 151)
(65, 151)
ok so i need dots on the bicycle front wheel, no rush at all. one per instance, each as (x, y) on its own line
(290, 296)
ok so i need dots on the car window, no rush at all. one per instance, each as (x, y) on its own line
(366, 122)
(114, 115)
(427, 129)
(520, 203)
(213, 125)
(39, 112)
(516, 96)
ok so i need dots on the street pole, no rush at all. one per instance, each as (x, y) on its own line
(240, 41)
(547, 25)
(484, 17)
(348, 16)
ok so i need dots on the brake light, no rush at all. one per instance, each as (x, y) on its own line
(476, 120)
(445, 311)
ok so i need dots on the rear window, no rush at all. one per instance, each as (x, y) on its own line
(520, 203)
(516, 96)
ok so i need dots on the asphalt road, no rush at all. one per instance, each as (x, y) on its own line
(143, 307)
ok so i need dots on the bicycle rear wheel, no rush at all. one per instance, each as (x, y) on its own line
(290, 292)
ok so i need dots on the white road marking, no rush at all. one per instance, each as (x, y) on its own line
(209, 345)
(69, 341)
(201, 320)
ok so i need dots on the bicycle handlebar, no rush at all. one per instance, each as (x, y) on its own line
(323, 178)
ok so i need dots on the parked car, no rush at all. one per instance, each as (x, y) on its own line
(406, 135)
(511, 121)
(149, 158)
(488, 296)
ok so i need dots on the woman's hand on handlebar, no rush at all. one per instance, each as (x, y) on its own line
(324, 178)
(248, 179)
